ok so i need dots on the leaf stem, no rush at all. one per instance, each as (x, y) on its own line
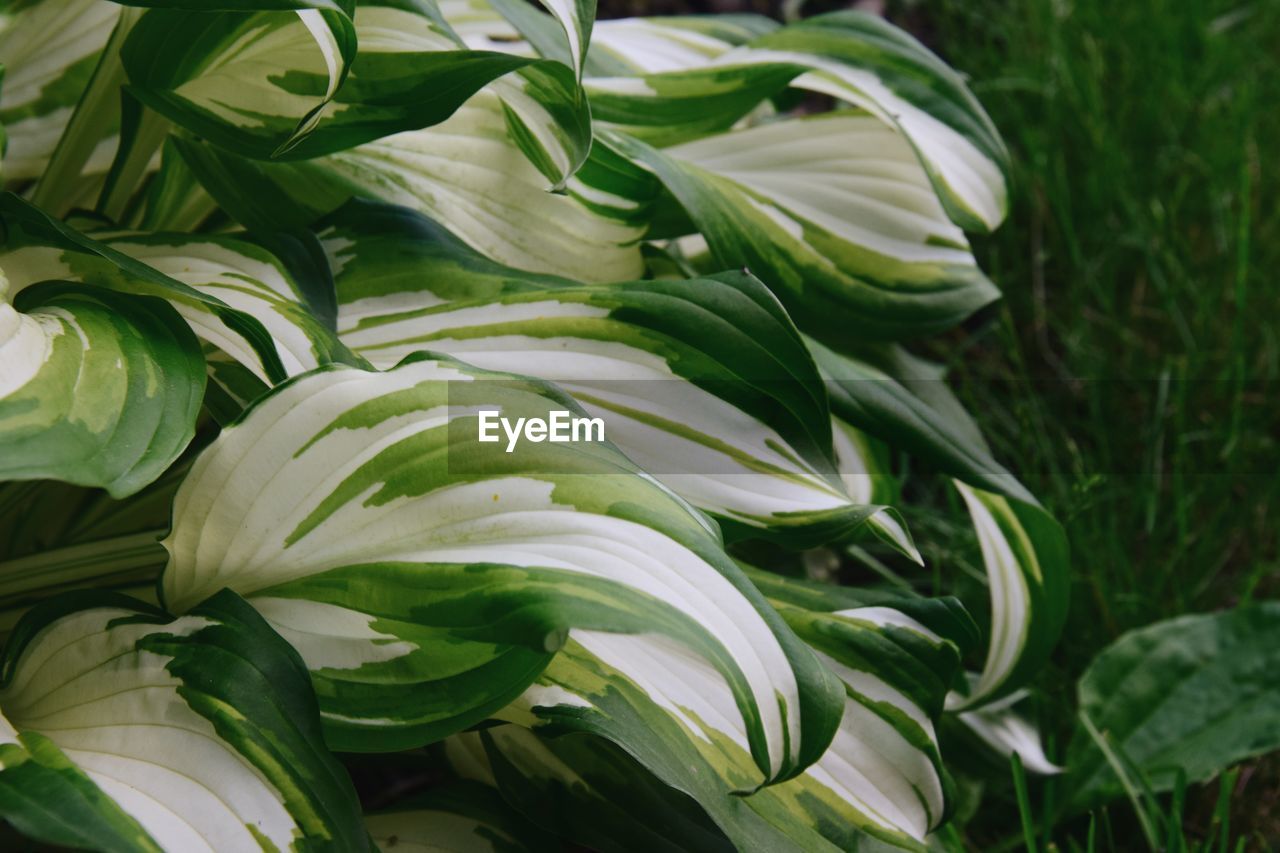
(106, 562)
(56, 191)
(142, 132)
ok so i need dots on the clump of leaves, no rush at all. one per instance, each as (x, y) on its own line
(264, 263)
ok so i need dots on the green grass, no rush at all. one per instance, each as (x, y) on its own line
(1131, 375)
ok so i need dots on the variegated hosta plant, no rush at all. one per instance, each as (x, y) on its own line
(268, 265)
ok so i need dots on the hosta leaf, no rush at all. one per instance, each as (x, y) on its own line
(857, 58)
(250, 83)
(255, 76)
(412, 72)
(248, 278)
(547, 119)
(466, 171)
(862, 59)
(390, 260)
(898, 658)
(650, 79)
(546, 115)
(1008, 733)
(879, 778)
(878, 404)
(564, 35)
(673, 714)
(428, 578)
(1023, 547)
(675, 106)
(867, 480)
(911, 644)
(34, 774)
(576, 17)
(836, 215)
(460, 815)
(263, 196)
(583, 789)
(652, 45)
(1024, 553)
(235, 295)
(96, 387)
(704, 384)
(36, 247)
(49, 49)
(123, 729)
(1193, 694)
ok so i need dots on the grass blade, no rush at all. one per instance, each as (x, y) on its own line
(1024, 803)
(1131, 791)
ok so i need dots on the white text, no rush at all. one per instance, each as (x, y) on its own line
(562, 426)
